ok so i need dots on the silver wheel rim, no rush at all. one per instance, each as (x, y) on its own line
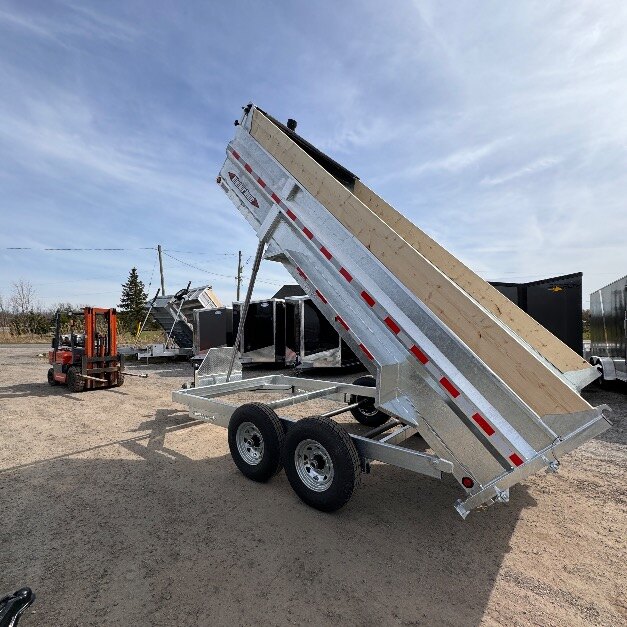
(314, 465)
(249, 443)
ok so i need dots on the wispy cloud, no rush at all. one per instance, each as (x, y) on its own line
(545, 163)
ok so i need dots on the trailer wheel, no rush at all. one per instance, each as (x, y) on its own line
(256, 439)
(51, 380)
(321, 463)
(75, 382)
(367, 414)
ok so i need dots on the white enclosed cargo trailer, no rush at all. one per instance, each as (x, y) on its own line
(494, 395)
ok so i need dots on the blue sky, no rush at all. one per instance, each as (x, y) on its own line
(498, 128)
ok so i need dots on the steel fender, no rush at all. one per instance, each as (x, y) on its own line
(607, 363)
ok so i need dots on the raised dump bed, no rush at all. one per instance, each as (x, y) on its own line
(493, 393)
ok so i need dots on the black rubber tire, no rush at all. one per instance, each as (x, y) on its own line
(120, 381)
(51, 380)
(344, 456)
(366, 414)
(273, 434)
(75, 383)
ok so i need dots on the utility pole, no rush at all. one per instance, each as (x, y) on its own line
(161, 270)
(239, 273)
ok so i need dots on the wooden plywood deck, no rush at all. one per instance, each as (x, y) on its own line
(439, 280)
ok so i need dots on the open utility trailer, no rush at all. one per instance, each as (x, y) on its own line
(494, 394)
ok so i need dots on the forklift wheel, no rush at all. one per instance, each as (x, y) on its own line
(75, 382)
(120, 382)
(51, 380)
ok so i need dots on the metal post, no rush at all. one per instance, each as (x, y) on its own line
(141, 328)
(161, 270)
(239, 273)
(244, 308)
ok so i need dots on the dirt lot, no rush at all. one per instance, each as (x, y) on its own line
(119, 510)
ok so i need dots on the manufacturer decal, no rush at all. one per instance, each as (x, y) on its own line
(242, 188)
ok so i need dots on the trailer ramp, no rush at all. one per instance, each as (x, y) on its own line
(490, 390)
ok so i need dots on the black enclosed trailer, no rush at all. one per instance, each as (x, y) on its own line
(213, 328)
(263, 336)
(311, 341)
(556, 303)
(608, 330)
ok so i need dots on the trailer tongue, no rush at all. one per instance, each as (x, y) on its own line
(493, 393)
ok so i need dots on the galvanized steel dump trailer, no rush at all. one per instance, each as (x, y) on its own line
(608, 330)
(494, 394)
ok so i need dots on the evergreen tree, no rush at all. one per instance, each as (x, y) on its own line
(132, 302)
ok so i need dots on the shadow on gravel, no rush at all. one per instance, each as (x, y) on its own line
(614, 395)
(26, 390)
(163, 539)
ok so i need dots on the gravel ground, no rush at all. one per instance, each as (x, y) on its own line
(119, 510)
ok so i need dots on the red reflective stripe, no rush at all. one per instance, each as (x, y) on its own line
(346, 274)
(235, 153)
(395, 328)
(422, 358)
(371, 301)
(261, 182)
(320, 296)
(515, 459)
(307, 232)
(449, 387)
(276, 199)
(341, 321)
(366, 351)
(301, 273)
(483, 423)
(291, 214)
(325, 252)
(247, 168)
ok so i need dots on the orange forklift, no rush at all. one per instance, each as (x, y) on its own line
(87, 360)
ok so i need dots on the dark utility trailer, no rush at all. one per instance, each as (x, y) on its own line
(311, 341)
(213, 328)
(608, 330)
(263, 335)
(555, 303)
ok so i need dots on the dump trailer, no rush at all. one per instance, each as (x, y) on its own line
(608, 330)
(492, 392)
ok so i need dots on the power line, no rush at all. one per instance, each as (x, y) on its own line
(195, 252)
(75, 249)
(225, 276)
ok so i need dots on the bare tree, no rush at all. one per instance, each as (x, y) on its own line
(4, 314)
(22, 299)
